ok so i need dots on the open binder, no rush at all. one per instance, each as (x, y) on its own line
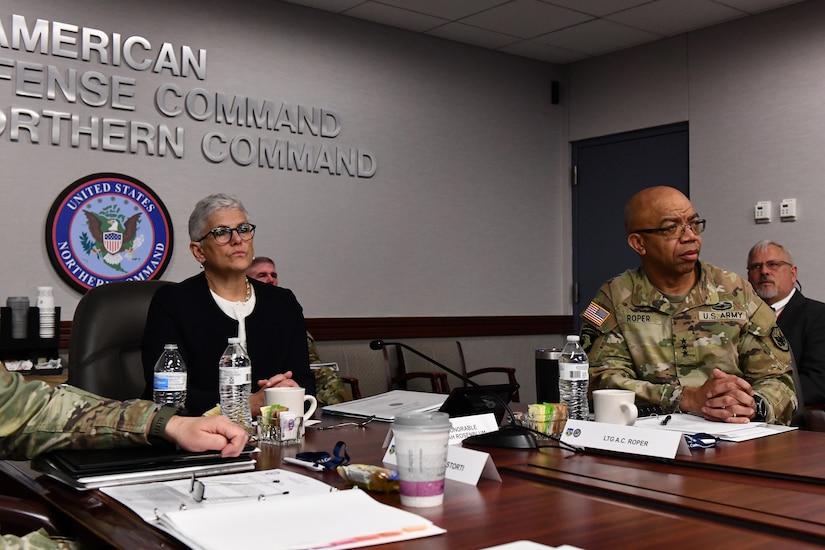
(263, 498)
(92, 469)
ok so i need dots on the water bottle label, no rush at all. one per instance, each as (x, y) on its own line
(161, 382)
(573, 371)
(170, 381)
(175, 381)
(235, 376)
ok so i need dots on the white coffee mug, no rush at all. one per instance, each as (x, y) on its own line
(615, 406)
(292, 398)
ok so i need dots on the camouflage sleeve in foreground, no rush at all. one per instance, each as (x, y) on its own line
(35, 418)
(636, 339)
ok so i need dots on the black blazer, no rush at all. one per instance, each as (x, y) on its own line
(803, 323)
(186, 314)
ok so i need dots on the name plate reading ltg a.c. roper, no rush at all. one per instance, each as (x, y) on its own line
(624, 439)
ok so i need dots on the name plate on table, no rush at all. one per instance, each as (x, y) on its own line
(463, 465)
(624, 439)
(467, 426)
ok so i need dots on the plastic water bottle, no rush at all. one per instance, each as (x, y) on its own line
(573, 379)
(235, 379)
(170, 378)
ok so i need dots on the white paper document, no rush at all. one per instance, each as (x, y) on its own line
(345, 519)
(385, 406)
(691, 424)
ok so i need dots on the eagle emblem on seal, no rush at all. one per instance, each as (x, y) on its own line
(113, 236)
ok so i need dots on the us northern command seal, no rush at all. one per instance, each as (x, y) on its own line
(106, 228)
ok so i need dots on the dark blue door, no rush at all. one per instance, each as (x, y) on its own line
(608, 171)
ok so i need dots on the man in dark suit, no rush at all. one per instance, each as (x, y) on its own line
(772, 273)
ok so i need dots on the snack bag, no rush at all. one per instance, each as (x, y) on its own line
(370, 478)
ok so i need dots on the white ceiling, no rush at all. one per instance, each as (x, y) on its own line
(557, 31)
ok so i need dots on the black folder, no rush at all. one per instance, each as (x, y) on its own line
(91, 469)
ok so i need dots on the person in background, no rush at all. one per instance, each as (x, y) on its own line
(35, 418)
(683, 334)
(330, 387)
(772, 273)
(202, 312)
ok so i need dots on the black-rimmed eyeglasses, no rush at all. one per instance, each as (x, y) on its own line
(223, 234)
(676, 230)
(772, 265)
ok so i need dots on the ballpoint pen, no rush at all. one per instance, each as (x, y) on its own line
(310, 465)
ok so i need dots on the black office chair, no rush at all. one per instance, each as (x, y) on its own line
(805, 418)
(107, 329)
(510, 372)
(22, 516)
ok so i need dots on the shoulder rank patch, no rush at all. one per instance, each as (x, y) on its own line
(596, 314)
(779, 339)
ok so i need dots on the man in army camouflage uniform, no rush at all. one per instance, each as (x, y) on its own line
(685, 335)
(329, 388)
(35, 418)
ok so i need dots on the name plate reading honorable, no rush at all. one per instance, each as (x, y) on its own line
(624, 439)
(468, 426)
(462, 427)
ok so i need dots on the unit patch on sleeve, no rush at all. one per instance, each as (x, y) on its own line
(779, 339)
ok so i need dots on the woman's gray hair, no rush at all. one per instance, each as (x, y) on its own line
(208, 206)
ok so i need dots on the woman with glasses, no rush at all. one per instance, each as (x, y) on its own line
(202, 312)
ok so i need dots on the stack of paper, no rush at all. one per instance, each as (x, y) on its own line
(270, 509)
(342, 519)
(691, 424)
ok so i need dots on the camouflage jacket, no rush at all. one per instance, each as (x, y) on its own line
(329, 388)
(637, 339)
(35, 418)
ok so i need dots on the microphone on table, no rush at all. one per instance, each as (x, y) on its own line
(510, 436)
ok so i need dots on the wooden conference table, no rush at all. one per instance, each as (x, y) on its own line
(757, 494)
